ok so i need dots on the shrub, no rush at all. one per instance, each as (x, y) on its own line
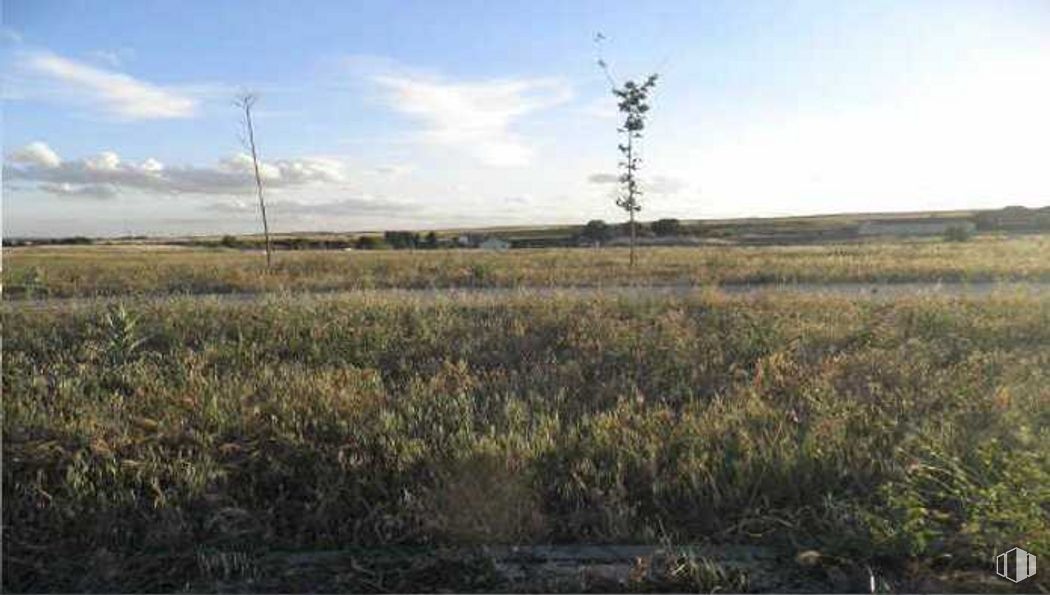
(641, 229)
(667, 227)
(596, 230)
(369, 243)
(958, 233)
(401, 240)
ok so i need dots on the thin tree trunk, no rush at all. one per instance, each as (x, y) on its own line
(632, 238)
(258, 183)
(630, 189)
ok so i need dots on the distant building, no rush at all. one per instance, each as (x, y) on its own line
(494, 244)
(912, 227)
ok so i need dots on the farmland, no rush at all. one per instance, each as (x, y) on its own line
(157, 270)
(185, 442)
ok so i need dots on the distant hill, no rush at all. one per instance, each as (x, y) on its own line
(840, 227)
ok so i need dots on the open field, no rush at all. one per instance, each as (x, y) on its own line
(792, 230)
(191, 442)
(525, 297)
(121, 270)
(181, 443)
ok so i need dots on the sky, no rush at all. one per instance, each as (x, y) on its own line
(119, 117)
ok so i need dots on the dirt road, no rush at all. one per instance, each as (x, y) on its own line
(874, 291)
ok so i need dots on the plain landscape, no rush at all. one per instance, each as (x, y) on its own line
(525, 297)
(380, 420)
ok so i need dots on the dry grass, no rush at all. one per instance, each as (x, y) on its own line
(88, 271)
(169, 445)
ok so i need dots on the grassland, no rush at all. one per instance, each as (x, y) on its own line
(142, 441)
(123, 270)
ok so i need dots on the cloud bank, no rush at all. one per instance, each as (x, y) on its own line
(106, 175)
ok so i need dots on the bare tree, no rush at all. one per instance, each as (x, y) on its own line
(246, 101)
(633, 104)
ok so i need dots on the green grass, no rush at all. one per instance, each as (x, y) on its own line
(144, 442)
(89, 271)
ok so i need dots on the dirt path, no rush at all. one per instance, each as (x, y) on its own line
(875, 291)
(572, 569)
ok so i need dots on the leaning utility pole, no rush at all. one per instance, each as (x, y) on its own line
(245, 102)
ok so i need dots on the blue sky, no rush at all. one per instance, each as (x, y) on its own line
(118, 116)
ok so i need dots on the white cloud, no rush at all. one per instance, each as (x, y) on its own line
(287, 172)
(234, 175)
(96, 191)
(658, 184)
(152, 164)
(475, 117)
(655, 184)
(520, 200)
(115, 93)
(603, 178)
(304, 171)
(394, 169)
(332, 208)
(241, 164)
(36, 154)
(104, 161)
(113, 58)
(603, 108)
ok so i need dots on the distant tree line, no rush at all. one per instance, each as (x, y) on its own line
(229, 241)
(599, 231)
(71, 241)
(595, 231)
(1014, 218)
(397, 240)
(410, 240)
